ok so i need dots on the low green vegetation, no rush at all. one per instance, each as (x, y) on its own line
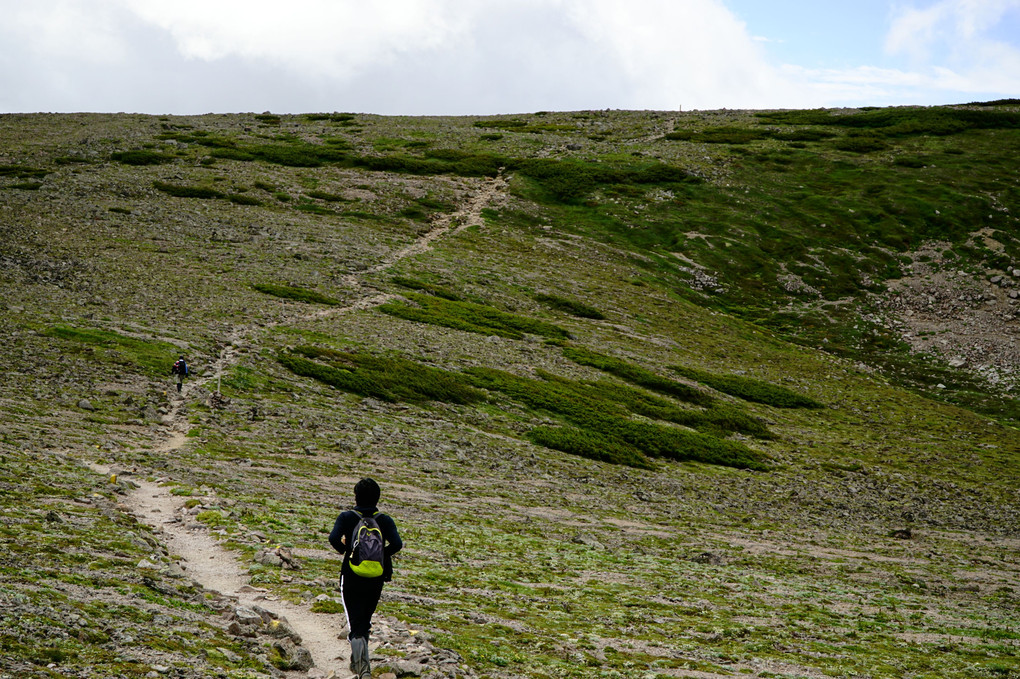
(141, 157)
(388, 378)
(819, 208)
(242, 199)
(527, 126)
(568, 509)
(296, 294)
(437, 290)
(570, 306)
(598, 412)
(906, 121)
(332, 117)
(179, 191)
(312, 207)
(150, 357)
(589, 444)
(470, 317)
(637, 375)
(604, 417)
(750, 389)
(567, 181)
(328, 197)
(22, 172)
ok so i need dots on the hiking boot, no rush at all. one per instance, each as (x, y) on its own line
(359, 653)
(366, 664)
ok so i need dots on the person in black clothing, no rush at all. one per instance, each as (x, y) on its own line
(180, 368)
(361, 594)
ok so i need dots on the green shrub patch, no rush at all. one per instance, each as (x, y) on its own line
(588, 444)
(331, 117)
(437, 290)
(387, 378)
(241, 199)
(721, 135)
(638, 375)
(902, 121)
(141, 157)
(470, 317)
(295, 293)
(179, 191)
(328, 197)
(570, 181)
(606, 419)
(570, 306)
(149, 357)
(564, 181)
(744, 135)
(439, 161)
(718, 420)
(861, 143)
(598, 414)
(750, 389)
(22, 172)
(312, 207)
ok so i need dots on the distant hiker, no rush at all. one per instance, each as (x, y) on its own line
(181, 370)
(368, 540)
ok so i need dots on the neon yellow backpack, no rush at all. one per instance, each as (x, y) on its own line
(367, 550)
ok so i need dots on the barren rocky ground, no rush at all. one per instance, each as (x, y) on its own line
(146, 534)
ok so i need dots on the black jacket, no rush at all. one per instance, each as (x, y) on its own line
(342, 537)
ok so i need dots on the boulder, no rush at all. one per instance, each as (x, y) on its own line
(292, 656)
(281, 629)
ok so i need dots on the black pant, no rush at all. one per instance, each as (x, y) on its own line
(361, 596)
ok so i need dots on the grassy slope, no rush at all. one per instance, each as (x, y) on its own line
(525, 560)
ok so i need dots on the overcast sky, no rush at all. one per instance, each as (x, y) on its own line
(430, 57)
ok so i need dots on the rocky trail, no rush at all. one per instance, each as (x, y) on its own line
(317, 642)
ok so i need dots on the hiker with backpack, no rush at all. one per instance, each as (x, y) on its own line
(367, 539)
(180, 368)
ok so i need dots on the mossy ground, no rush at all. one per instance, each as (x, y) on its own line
(525, 560)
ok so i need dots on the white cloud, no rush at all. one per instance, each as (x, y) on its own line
(462, 56)
(951, 44)
(678, 52)
(63, 29)
(955, 30)
(333, 38)
(661, 52)
(527, 53)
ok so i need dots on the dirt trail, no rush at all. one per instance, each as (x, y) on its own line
(203, 558)
(215, 568)
(469, 215)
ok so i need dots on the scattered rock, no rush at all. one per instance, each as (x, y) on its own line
(280, 628)
(406, 668)
(279, 557)
(292, 656)
(587, 540)
(708, 558)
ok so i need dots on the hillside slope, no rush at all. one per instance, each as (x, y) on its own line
(642, 389)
